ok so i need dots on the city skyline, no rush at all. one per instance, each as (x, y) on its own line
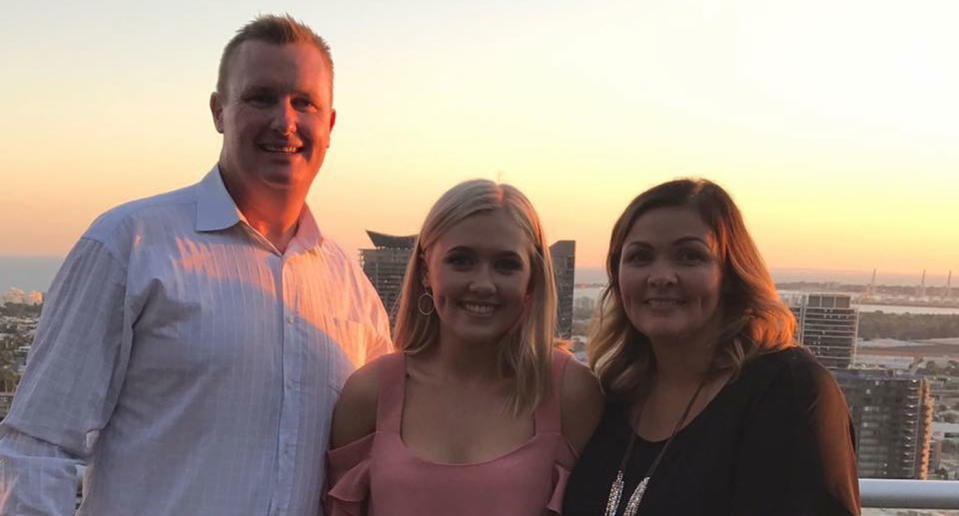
(834, 133)
(35, 272)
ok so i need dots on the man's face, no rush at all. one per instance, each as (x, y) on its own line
(275, 115)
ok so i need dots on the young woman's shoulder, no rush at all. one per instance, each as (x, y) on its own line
(355, 413)
(581, 403)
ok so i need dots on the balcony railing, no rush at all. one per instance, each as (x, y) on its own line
(909, 494)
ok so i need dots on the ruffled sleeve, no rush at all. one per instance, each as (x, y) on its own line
(566, 458)
(348, 478)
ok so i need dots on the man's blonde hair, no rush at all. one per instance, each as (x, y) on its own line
(270, 28)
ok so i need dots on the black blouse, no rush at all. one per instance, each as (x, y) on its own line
(775, 441)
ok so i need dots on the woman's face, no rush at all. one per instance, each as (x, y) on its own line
(479, 274)
(670, 275)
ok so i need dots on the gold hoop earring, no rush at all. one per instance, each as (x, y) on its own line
(429, 299)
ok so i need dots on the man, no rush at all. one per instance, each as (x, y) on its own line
(193, 344)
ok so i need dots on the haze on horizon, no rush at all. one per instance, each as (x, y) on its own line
(832, 124)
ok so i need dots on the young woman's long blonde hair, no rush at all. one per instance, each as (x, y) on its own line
(525, 352)
(755, 320)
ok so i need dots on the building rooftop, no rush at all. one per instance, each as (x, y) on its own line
(381, 240)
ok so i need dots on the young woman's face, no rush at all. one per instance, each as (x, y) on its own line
(670, 276)
(479, 275)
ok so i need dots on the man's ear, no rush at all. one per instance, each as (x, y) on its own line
(216, 109)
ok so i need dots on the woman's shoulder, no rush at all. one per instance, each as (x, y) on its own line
(355, 413)
(581, 401)
(363, 385)
(579, 384)
(794, 364)
(793, 376)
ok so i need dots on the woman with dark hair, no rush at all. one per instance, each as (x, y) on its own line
(478, 413)
(712, 408)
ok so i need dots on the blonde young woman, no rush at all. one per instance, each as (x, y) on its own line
(713, 409)
(477, 413)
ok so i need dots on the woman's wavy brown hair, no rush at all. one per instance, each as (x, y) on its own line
(754, 319)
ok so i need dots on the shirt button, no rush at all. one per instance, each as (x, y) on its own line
(289, 319)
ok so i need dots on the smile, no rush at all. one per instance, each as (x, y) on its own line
(664, 302)
(282, 149)
(478, 308)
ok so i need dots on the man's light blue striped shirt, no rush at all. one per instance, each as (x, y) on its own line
(189, 364)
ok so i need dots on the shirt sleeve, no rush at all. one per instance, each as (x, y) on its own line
(381, 326)
(798, 455)
(348, 477)
(73, 376)
(378, 320)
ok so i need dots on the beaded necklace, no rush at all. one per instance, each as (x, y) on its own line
(616, 489)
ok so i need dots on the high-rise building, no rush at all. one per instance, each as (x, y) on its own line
(935, 455)
(563, 253)
(385, 266)
(827, 325)
(892, 418)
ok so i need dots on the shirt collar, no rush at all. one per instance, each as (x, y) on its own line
(216, 210)
(307, 232)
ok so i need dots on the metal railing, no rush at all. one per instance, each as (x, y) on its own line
(909, 494)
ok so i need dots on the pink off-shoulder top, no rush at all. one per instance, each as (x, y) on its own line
(378, 472)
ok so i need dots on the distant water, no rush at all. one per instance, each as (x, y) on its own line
(36, 273)
(28, 272)
(896, 309)
(594, 293)
(590, 275)
(862, 277)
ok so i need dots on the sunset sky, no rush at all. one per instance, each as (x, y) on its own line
(835, 125)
